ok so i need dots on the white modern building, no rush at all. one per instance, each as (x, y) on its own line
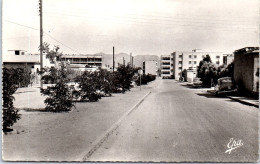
(166, 66)
(150, 67)
(189, 60)
(87, 60)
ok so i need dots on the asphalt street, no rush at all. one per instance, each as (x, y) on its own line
(176, 123)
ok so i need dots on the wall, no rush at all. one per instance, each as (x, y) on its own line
(245, 66)
(184, 60)
(166, 68)
(151, 67)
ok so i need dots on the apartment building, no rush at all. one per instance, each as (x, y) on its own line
(87, 60)
(166, 66)
(182, 60)
(150, 67)
(228, 58)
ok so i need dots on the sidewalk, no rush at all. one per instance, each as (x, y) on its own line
(245, 100)
(29, 98)
(241, 99)
(47, 136)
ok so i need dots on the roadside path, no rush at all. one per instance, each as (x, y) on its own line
(44, 136)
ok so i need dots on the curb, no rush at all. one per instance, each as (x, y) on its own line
(243, 102)
(97, 143)
(238, 100)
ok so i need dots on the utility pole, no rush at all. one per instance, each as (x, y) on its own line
(41, 48)
(113, 58)
(130, 59)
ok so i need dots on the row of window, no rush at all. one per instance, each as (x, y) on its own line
(165, 63)
(195, 56)
(165, 72)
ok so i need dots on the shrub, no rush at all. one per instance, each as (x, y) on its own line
(145, 79)
(60, 97)
(123, 77)
(89, 86)
(10, 115)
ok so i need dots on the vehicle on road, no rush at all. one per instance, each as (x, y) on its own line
(225, 85)
(197, 83)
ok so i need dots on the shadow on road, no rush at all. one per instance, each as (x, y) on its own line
(209, 95)
(191, 87)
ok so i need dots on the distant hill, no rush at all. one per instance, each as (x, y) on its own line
(138, 59)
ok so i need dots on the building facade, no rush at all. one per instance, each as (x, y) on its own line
(87, 60)
(182, 60)
(246, 69)
(228, 58)
(22, 59)
(166, 66)
(150, 67)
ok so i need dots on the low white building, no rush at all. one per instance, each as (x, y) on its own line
(150, 67)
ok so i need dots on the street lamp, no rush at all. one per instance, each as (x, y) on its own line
(140, 72)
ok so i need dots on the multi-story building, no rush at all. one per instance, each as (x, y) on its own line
(166, 64)
(190, 60)
(150, 67)
(87, 60)
(228, 58)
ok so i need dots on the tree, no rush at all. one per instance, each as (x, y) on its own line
(54, 54)
(60, 97)
(124, 75)
(10, 115)
(89, 86)
(207, 71)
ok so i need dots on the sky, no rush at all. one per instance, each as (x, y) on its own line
(143, 27)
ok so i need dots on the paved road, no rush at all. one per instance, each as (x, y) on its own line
(177, 123)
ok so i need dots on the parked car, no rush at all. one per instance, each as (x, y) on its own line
(197, 82)
(225, 85)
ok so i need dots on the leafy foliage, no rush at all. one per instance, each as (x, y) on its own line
(207, 71)
(23, 76)
(54, 54)
(89, 86)
(60, 97)
(123, 77)
(10, 80)
(145, 79)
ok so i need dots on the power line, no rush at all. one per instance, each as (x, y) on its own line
(77, 10)
(61, 43)
(44, 33)
(204, 27)
(21, 25)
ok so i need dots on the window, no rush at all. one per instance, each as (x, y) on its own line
(195, 56)
(189, 62)
(195, 62)
(180, 68)
(180, 62)
(189, 56)
(180, 56)
(217, 57)
(166, 58)
(217, 62)
(22, 53)
(17, 52)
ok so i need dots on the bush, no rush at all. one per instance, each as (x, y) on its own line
(123, 77)
(145, 79)
(89, 86)
(10, 115)
(23, 76)
(60, 97)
